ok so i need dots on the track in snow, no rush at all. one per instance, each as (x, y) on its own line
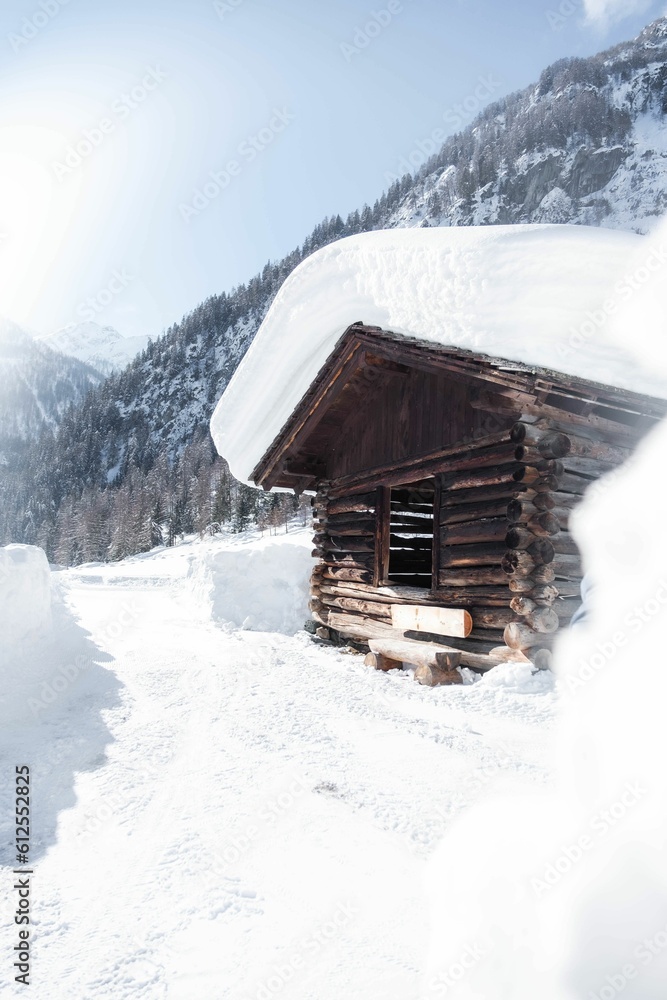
(256, 813)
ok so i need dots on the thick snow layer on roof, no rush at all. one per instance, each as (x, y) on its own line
(541, 295)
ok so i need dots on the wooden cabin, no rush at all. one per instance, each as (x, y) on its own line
(444, 485)
(444, 482)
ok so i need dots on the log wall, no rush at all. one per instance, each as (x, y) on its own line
(501, 546)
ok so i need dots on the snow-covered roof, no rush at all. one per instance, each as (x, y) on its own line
(541, 295)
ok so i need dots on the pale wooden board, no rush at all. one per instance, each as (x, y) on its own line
(418, 653)
(423, 618)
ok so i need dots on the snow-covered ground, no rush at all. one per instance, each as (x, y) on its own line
(223, 812)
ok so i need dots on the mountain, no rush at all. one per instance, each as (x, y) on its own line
(37, 387)
(101, 347)
(587, 144)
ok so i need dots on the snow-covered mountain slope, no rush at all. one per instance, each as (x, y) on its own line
(101, 347)
(587, 144)
(37, 386)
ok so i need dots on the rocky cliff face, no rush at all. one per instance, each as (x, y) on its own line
(587, 144)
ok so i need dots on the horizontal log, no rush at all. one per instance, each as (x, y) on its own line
(548, 501)
(523, 538)
(483, 662)
(416, 653)
(479, 530)
(517, 635)
(469, 512)
(347, 574)
(480, 458)
(522, 584)
(565, 544)
(357, 560)
(586, 466)
(347, 524)
(544, 524)
(520, 511)
(562, 515)
(581, 447)
(537, 482)
(480, 494)
(373, 608)
(542, 619)
(344, 543)
(569, 563)
(485, 576)
(569, 589)
(477, 642)
(587, 425)
(570, 482)
(495, 476)
(355, 503)
(483, 554)
(450, 597)
(485, 618)
(567, 606)
(544, 573)
(523, 605)
(361, 626)
(536, 460)
(522, 562)
(550, 443)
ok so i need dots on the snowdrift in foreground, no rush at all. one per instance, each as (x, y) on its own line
(46, 659)
(563, 895)
(260, 585)
(25, 594)
(542, 295)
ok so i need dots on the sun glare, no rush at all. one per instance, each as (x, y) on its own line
(35, 213)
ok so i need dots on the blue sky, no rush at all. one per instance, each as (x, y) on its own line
(299, 107)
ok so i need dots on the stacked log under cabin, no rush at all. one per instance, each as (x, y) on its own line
(465, 546)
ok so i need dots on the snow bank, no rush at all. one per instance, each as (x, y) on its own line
(260, 585)
(26, 633)
(564, 894)
(25, 594)
(542, 295)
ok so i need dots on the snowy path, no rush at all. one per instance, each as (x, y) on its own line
(258, 822)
